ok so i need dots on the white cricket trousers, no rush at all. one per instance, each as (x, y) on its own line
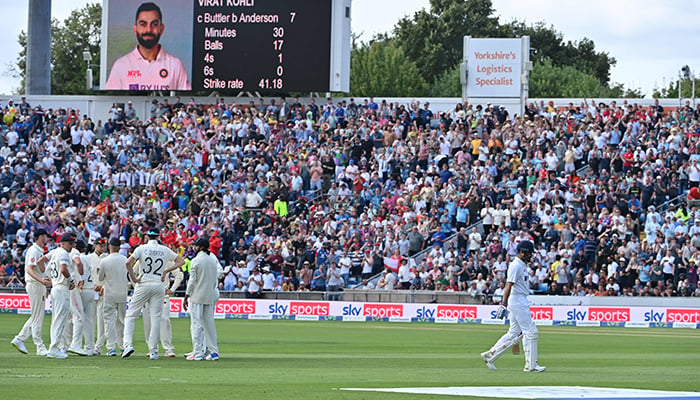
(60, 311)
(519, 315)
(520, 324)
(113, 327)
(166, 329)
(153, 294)
(99, 317)
(88, 299)
(202, 328)
(73, 332)
(37, 306)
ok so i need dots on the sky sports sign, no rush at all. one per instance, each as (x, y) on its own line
(438, 313)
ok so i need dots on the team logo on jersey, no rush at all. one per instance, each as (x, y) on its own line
(163, 73)
(134, 73)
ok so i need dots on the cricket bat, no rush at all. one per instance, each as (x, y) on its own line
(516, 349)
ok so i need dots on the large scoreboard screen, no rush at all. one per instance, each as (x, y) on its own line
(234, 45)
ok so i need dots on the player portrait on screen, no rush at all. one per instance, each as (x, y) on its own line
(148, 66)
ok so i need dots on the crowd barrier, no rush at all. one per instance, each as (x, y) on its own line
(556, 315)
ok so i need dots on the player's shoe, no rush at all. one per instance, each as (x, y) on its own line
(77, 350)
(212, 357)
(112, 353)
(59, 355)
(19, 345)
(191, 353)
(486, 356)
(537, 368)
(169, 354)
(42, 351)
(127, 352)
(153, 356)
(89, 353)
(195, 357)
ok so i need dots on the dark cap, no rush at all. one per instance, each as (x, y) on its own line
(68, 237)
(153, 231)
(115, 242)
(39, 232)
(101, 241)
(526, 246)
(80, 244)
(202, 242)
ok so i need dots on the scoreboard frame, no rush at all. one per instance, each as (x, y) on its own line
(266, 46)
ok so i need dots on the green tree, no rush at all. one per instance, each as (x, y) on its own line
(447, 85)
(80, 31)
(550, 81)
(671, 91)
(434, 38)
(381, 68)
(549, 43)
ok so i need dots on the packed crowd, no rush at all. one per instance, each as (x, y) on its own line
(323, 196)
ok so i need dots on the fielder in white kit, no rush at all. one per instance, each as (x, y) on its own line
(114, 284)
(154, 259)
(515, 302)
(94, 259)
(59, 265)
(87, 300)
(36, 289)
(166, 329)
(202, 289)
(73, 331)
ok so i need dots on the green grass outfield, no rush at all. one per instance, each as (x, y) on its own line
(310, 360)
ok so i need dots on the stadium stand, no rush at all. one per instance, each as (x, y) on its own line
(607, 191)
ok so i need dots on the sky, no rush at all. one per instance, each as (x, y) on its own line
(651, 40)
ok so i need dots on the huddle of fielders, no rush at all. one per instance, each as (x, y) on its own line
(89, 295)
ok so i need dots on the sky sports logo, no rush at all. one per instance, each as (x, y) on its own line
(447, 312)
(683, 315)
(20, 302)
(374, 310)
(299, 308)
(608, 314)
(235, 307)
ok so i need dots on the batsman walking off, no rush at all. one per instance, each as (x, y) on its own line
(515, 302)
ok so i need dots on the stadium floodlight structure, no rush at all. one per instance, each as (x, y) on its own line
(87, 56)
(686, 73)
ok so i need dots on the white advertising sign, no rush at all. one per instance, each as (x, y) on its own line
(494, 67)
(560, 315)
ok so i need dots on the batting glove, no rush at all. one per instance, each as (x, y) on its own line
(502, 311)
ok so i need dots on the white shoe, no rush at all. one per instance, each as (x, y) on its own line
(537, 368)
(169, 354)
(59, 355)
(127, 352)
(191, 353)
(153, 356)
(212, 357)
(19, 345)
(487, 359)
(195, 357)
(77, 350)
(42, 351)
(89, 353)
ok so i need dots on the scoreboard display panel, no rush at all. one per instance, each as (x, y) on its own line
(234, 45)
